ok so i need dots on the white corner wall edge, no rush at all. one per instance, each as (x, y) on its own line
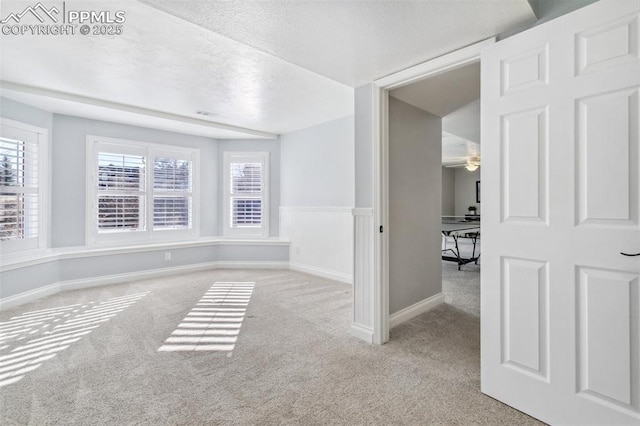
(416, 309)
(361, 332)
(51, 289)
(323, 273)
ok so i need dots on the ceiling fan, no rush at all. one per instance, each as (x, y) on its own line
(471, 164)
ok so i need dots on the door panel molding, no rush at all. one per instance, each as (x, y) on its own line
(605, 126)
(524, 166)
(524, 312)
(592, 52)
(608, 341)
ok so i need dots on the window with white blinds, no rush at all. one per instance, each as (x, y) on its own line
(21, 177)
(121, 192)
(172, 193)
(246, 193)
(141, 191)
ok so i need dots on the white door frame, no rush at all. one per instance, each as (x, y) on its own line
(381, 88)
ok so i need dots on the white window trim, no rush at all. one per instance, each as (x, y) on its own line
(44, 191)
(148, 149)
(245, 156)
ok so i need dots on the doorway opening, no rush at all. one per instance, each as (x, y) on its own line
(434, 165)
(414, 106)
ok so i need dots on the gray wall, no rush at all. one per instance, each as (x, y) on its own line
(317, 168)
(448, 191)
(465, 190)
(415, 205)
(549, 9)
(363, 125)
(464, 122)
(24, 279)
(273, 147)
(68, 153)
(25, 113)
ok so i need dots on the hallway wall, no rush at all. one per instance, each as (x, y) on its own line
(415, 205)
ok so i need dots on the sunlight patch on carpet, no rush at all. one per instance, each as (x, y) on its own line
(34, 337)
(214, 323)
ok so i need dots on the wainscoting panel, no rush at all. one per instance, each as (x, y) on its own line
(321, 240)
(363, 288)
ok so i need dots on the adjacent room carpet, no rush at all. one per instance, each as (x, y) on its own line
(293, 363)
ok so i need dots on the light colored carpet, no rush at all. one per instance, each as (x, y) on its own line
(461, 289)
(294, 362)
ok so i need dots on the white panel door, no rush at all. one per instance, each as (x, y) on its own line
(561, 201)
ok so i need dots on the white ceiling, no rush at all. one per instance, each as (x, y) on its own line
(353, 42)
(457, 150)
(444, 93)
(464, 122)
(264, 67)
(163, 63)
(107, 111)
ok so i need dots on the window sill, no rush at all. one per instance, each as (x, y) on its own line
(35, 257)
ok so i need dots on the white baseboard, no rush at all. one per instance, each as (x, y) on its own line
(51, 289)
(133, 276)
(320, 272)
(250, 265)
(416, 309)
(29, 296)
(361, 332)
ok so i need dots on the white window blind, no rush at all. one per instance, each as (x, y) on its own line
(246, 188)
(19, 181)
(121, 192)
(141, 192)
(172, 197)
(246, 194)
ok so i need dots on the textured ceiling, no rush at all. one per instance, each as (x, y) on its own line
(165, 64)
(263, 66)
(354, 42)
